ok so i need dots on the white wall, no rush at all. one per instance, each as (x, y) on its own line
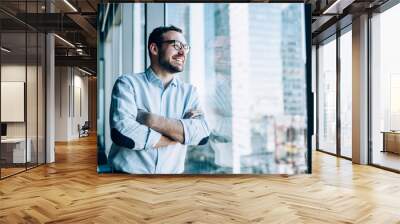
(80, 83)
(12, 73)
(33, 126)
(61, 103)
(69, 82)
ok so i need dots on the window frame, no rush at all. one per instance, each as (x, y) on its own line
(334, 37)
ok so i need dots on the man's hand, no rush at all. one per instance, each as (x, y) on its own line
(170, 128)
(164, 142)
(193, 113)
(148, 119)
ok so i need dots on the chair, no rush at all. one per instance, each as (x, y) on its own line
(84, 129)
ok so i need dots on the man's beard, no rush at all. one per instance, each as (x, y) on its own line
(167, 65)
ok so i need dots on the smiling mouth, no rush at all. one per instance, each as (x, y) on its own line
(180, 60)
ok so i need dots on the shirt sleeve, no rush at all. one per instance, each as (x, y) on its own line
(125, 130)
(196, 131)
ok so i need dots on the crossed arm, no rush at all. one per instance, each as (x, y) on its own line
(135, 129)
(172, 130)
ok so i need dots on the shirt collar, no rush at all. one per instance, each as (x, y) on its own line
(152, 77)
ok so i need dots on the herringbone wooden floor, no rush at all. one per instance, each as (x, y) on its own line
(70, 191)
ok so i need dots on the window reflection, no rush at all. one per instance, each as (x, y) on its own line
(116, 59)
(247, 61)
(346, 94)
(327, 97)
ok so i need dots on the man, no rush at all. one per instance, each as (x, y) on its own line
(153, 115)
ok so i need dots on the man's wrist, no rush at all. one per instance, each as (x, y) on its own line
(152, 120)
(146, 118)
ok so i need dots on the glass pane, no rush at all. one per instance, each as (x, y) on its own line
(31, 97)
(346, 94)
(327, 97)
(111, 60)
(178, 15)
(386, 89)
(13, 86)
(20, 84)
(139, 47)
(252, 130)
(112, 67)
(41, 98)
(31, 86)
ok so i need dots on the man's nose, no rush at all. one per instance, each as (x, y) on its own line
(181, 51)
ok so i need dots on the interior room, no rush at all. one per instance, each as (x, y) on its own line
(22, 99)
(54, 103)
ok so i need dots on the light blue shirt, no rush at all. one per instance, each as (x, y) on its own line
(133, 149)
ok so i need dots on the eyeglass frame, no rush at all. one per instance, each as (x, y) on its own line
(177, 47)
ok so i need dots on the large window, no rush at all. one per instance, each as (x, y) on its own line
(385, 84)
(247, 62)
(123, 45)
(346, 94)
(327, 96)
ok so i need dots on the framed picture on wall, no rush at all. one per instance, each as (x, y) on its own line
(209, 88)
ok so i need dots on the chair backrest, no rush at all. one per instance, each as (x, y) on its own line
(86, 124)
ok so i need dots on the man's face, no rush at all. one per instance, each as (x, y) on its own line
(169, 58)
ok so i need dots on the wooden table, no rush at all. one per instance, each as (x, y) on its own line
(391, 141)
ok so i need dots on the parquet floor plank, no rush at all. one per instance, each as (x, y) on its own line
(71, 191)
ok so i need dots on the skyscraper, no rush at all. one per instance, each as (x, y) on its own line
(293, 61)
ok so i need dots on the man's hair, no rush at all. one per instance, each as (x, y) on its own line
(156, 36)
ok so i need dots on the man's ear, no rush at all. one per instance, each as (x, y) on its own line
(153, 49)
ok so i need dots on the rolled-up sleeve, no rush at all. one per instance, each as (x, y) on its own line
(125, 130)
(196, 131)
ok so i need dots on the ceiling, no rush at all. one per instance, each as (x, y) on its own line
(328, 16)
(72, 20)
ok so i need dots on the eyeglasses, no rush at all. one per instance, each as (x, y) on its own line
(177, 45)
